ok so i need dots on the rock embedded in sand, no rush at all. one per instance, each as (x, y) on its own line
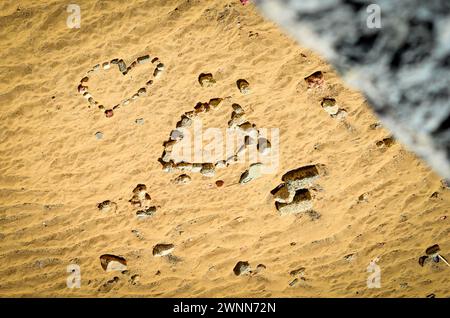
(329, 105)
(219, 183)
(111, 262)
(107, 206)
(282, 194)
(168, 166)
(182, 179)
(215, 102)
(160, 66)
(122, 66)
(253, 172)
(163, 249)
(302, 202)
(146, 213)
(197, 167)
(315, 80)
(184, 166)
(208, 170)
(176, 135)
(106, 66)
(237, 108)
(241, 268)
(99, 135)
(157, 72)
(109, 113)
(139, 121)
(82, 89)
(142, 92)
(143, 59)
(184, 122)
(221, 164)
(302, 177)
(243, 86)
(206, 80)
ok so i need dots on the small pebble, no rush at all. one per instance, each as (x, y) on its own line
(139, 121)
(99, 135)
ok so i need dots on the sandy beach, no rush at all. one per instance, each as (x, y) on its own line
(76, 184)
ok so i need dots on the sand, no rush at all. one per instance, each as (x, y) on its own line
(376, 199)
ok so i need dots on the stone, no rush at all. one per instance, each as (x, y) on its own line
(197, 167)
(241, 268)
(111, 262)
(402, 67)
(243, 86)
(215, 102)
(143, 59)
(221, 164)
(139, 121)
(253, 172)
(301, 202)
(184, 122)
(163, 249)
(182, 179)
(207, 170)
(237, 109)
(146, 213)
(122, 66)
(142, 91)
(184, 166)
(99, 135)
(206, 80)
(282, 194)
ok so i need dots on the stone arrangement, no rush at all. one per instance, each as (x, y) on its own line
(124, 69)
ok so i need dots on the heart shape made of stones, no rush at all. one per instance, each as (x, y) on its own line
(238, 122)
(124, 69)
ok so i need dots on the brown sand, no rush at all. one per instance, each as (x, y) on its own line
(54, 171)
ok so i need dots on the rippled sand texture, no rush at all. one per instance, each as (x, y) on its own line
(375, 199)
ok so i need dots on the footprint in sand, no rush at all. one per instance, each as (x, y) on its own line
(141, 200)
(124, 69)
(293, 196)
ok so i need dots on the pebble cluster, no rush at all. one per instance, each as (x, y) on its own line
(292, 196)
(237, 121)
(124, 69)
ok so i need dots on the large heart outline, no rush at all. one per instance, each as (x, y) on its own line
(238, 121)
(124, 69)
